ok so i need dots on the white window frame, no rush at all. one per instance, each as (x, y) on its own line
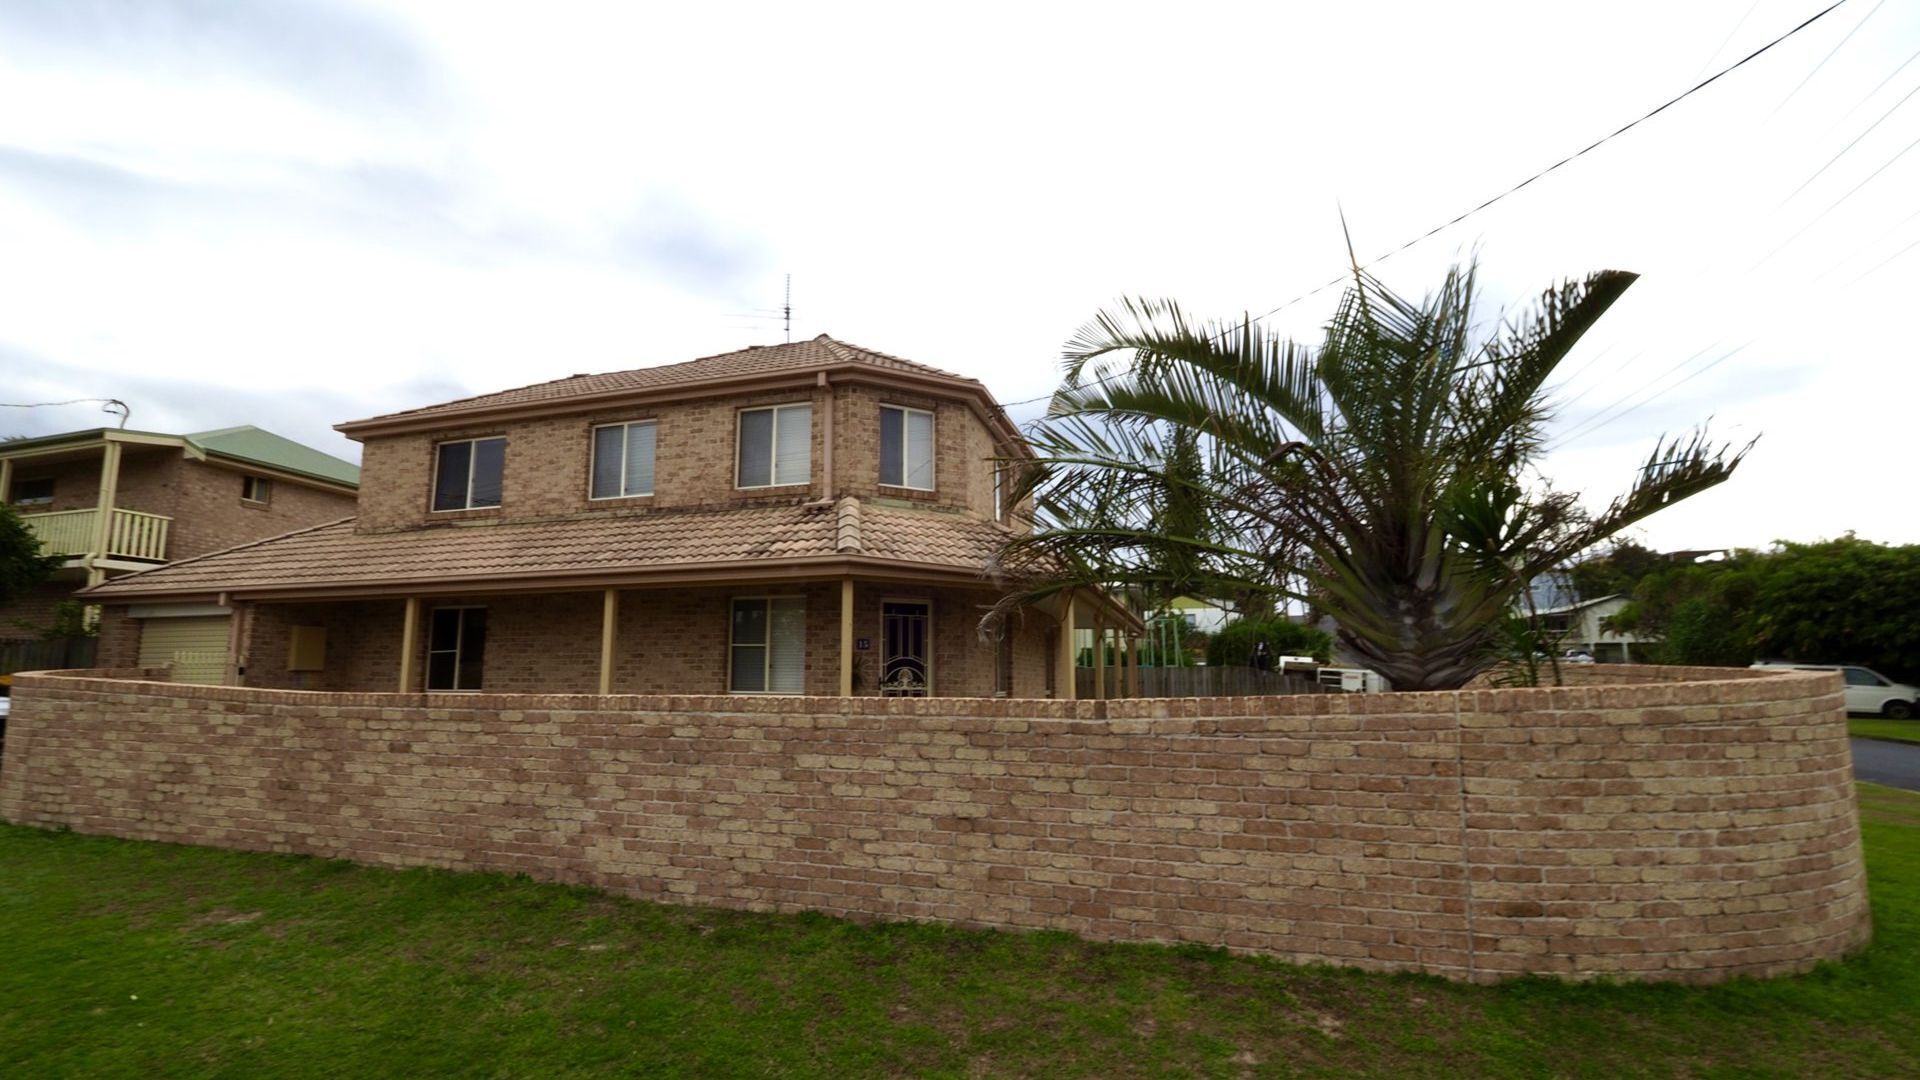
(999, 492)
(459, 643)
(766, 677)
(433, 489)
(773, 447)
(251, 484)
(933, 453)
(593, 448)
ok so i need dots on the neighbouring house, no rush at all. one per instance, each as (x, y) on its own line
(805, 518)
(1204, 616)
(1582, 625)
(111, 502)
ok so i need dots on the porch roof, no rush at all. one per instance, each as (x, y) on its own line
(604, 548)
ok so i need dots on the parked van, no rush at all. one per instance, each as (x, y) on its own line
(1868, 691)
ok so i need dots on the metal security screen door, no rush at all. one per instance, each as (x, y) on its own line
(903, 634)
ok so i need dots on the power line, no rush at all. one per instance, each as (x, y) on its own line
(1724, 42)
(1883, 83)
(1849, 146)
(1590, 427)
(1824, 59)
(1457, 219)
(125, 413)
(1624, 398)
(1876, 266)
(1817, 218)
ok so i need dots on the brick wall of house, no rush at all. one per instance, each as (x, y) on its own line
(669, 641)
(32, 611)
(209, 515)
(548, 459)
(1671, 831)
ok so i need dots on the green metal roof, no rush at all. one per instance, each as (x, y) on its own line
(249, 443)
(243, 443)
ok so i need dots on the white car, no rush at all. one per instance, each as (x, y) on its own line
(1868, 691)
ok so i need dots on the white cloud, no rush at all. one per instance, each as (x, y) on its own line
(353, 207)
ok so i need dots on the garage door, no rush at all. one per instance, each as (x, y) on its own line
(195, 648)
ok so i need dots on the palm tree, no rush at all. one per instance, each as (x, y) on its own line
(1381, 477)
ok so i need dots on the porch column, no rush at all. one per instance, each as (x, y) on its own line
(1099, 655)
(609, 619)
(109, 489)
(1063, 680)
(6, 479)
(409, 643)
(1133, 665)
(846, 637)
(236, 640)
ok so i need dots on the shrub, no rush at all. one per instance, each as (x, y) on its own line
(1233, 646)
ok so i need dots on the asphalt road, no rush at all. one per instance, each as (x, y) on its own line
(1890, 763)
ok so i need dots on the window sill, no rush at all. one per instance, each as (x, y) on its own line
(773, 489)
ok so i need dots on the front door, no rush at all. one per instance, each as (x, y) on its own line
(905, 639)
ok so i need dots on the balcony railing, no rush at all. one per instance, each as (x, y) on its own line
(130, 533)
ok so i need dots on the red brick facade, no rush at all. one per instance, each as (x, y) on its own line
(1691, 831)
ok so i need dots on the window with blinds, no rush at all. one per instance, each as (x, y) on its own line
(623, 460)
(768, 646)
(775, 446)
(906, 447)
(467, 474)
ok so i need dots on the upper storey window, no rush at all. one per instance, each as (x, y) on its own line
(776, 446)
(466, 474)
(906, 447)
(623, 460)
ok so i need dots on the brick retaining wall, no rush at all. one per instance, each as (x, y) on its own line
(1687, 830)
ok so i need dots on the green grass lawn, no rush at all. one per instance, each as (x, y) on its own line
(133, 959)
(1876, 728)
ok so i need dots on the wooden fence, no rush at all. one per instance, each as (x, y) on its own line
(1187, 682)
(54, 655)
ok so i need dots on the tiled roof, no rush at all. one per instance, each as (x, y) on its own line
(821, 351)
(334, 555)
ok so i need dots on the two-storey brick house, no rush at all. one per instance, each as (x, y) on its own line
(807, 518)
(110, 502)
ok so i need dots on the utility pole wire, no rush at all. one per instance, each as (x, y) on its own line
(125, 413)
(1824, 59)
(1883, 83)
(1821, 216)
(1457, 219)
(1849, 146)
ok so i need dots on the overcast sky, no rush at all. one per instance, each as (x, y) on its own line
(293, 214)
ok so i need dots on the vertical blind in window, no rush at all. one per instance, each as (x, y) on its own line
(769, 651)
(776, 446)
(623, 460)
(906, 447)
(467, 474)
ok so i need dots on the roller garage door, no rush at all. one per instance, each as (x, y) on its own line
(194, 647)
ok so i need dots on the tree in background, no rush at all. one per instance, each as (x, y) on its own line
(1380, 477)
(1233, 645)
(1614, 572)
(21, 565)
(1833, 601)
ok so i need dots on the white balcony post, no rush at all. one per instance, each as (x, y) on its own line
(103, 524)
